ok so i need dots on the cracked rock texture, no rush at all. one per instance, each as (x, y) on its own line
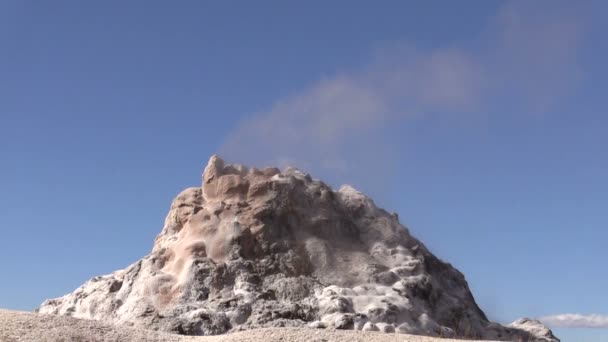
(268, 248)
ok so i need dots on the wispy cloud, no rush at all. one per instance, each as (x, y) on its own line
(528, 55)
(576, 321)
(537, 50)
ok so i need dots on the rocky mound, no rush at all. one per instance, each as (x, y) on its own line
(263, 248)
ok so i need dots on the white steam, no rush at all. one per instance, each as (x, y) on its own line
(345, 126)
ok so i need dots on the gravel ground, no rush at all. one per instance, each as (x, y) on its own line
(31, 327)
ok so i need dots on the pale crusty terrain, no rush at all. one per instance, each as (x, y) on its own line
(17, 326)
(265, 248)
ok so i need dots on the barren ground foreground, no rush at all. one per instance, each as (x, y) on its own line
(26, 326)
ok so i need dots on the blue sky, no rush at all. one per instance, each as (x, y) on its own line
(482, 123)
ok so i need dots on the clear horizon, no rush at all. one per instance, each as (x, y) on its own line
(482, 124)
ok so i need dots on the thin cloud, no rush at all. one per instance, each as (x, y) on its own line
(576, 321)
(341, 126)
(537, 50)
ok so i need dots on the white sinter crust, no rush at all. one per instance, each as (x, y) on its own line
(263, 248)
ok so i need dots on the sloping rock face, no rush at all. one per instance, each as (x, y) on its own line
(264, 248)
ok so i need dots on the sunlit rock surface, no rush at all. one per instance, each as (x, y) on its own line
(269, 248)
